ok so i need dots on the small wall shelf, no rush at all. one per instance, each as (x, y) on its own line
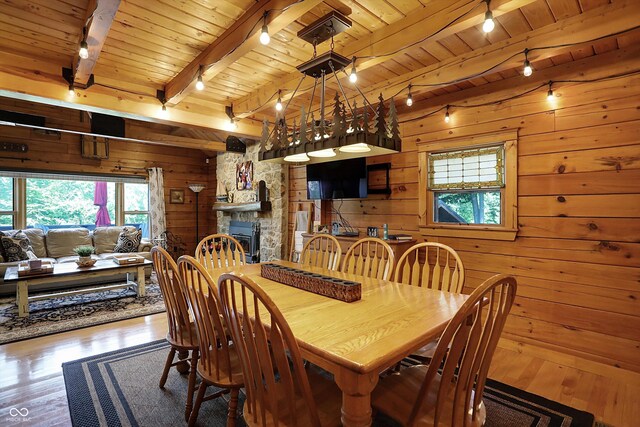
(242, 207)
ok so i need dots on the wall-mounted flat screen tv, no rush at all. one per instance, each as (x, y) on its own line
(341, 179)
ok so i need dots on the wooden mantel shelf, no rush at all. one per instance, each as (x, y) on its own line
(242, 207)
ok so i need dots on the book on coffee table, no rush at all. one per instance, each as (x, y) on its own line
(126, 259)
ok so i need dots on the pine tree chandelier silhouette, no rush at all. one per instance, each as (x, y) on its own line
(350, 132)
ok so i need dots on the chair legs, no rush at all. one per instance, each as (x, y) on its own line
(167, 366)
(233, 407)
(192, 383)
(196, 406)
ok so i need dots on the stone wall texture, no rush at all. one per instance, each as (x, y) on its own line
(273, 224)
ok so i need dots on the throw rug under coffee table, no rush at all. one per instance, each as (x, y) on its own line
(121, 388)
(56, 315)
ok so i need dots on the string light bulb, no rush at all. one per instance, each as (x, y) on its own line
(446, 116)
(279, 102)
(353, 77)
(550, 96)
(264, 34)
(233, 125)
(488, 25)
(527, 70)
(199, 82)
(72, 90)
(409, 98)
(164, 113)
(84, 49)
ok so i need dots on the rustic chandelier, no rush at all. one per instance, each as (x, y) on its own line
(350, 132)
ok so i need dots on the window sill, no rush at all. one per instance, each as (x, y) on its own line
(469, 232)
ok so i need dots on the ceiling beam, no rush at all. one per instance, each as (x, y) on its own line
(100, 14)
(238, 40)
(595, 23)
(34, 80)
(146, 135)
(397, 36)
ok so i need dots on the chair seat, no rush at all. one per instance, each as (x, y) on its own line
(395, 396)
(219, 376)
(326, 394)
(187, 338)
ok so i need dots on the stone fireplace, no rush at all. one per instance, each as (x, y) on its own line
(272, 224)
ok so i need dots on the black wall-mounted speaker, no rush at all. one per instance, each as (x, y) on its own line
(103, 124)
(235, 145)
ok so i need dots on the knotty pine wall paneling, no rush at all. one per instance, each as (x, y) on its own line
(577, 253)
(62, 154)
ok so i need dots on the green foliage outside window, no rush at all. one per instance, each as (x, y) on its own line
(474, 207)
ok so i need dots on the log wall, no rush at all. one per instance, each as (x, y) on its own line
(62, 154)
(577, 254)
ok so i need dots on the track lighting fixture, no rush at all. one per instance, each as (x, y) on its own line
(279, 102)
(550, 96)
(527, 70)
(409, 98)
(488, 25)
(200, 83)
(353, 77)
(446, 116)
(264, 34)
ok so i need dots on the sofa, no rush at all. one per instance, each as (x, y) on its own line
(56, 245)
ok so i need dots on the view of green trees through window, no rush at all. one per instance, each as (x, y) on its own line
(6, 201)
(470, 207)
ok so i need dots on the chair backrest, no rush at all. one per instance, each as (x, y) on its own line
(431, 265)
(174, 299)
(269, 355)
(370, 257)
(219, 251)
(322, 250)
(461, 360)
(202, 297)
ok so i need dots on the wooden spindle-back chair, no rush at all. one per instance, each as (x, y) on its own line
(219, 251)
(449, 390)
(218, 365)
(322, 250)
(431, 265)
(182, 335)
(370, 257)
(280, 392)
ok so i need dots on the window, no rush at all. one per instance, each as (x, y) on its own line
(61, 201)
(7, 210)
(468, 187)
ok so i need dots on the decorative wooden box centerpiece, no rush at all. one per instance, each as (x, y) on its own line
(332, 287)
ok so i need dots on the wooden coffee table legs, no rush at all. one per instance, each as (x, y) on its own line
(140, 284)
(22, 298)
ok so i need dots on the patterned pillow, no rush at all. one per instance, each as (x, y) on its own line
(17, 246)
(128, 241)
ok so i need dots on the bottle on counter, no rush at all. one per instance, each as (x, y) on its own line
(385, 231)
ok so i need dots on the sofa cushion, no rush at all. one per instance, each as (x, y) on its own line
(36, 238)
(128, 241)
(16, 246)
(61, 241)
(105, 238)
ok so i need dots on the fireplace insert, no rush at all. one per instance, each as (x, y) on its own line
(248, 235)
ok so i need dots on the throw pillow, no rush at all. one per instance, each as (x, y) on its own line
(16, 246)
(128, 241)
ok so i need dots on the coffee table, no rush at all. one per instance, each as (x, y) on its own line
(69, 270)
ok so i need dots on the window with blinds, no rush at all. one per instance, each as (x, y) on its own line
(471, 169)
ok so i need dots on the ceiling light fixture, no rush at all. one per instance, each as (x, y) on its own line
(488, 25)
(84, 47)
(349, 131)
(550, 96)
(72, 90)
(199, 82)
(264, 34)
(409, 97)
(279, 102)
(353, 77)
(527, 70)
(232, 124)
(446, 116)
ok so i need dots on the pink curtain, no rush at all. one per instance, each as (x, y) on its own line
(100, 199)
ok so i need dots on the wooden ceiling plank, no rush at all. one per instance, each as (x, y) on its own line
(394, 37)
(234, 43)
(100, 14)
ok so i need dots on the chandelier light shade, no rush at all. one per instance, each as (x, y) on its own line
(350, 131)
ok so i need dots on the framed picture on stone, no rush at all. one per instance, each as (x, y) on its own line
(244, 175)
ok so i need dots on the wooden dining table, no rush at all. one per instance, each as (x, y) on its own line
(357, 341)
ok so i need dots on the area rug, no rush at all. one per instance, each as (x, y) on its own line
(52, 316)
(121, 388)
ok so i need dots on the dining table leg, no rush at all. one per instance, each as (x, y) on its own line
(356, 397)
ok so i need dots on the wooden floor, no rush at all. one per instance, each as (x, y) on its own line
(31, 374)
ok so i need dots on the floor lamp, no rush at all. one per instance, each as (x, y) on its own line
(197, 188)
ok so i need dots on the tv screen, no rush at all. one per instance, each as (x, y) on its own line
(342, 179)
